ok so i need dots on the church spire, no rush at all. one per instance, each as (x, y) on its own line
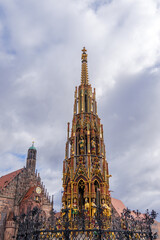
(85, 169)
(31, 158)
(84, 71)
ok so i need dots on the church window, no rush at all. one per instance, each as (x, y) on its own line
(97, 190)
(81, 194)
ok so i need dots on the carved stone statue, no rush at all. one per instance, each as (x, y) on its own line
(98, 148)
(94, 207)
(81, 145)
(93, 145)
(69, 208)
(75, 209)
(106, 209)
(87, 206)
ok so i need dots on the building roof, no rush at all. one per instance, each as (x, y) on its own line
(28, 193)
(118, 205)
(6, 179)
(32, 147)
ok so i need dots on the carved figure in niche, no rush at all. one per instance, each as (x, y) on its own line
(87, 206)
(96, 163)
(81, 145)
(93, 145)
(75, 209)
(106, 209)
(94, 207)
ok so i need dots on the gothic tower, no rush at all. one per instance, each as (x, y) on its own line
(31, 158)
(85, 169)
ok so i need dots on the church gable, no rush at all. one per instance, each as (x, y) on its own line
(31, 199)
(8, 178)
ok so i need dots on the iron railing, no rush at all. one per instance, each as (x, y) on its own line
(130, 225)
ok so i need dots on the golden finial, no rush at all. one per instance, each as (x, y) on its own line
(32, 147)
(84, 50)
(84, 55)
(84, 72)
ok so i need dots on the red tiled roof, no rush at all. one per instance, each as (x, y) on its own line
(118, 205)
(28, 194)
(4, 180)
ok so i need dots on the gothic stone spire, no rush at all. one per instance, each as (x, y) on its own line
(85, 169)
(84, 71)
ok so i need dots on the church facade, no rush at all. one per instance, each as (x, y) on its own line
(85, 169)
(21, 191)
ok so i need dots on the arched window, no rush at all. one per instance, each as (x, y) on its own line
(81, 194)
(97, 190)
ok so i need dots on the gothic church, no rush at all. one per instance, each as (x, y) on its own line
(21, 191)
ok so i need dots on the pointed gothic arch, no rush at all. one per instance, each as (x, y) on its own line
(97, 191)
(96, 177)
(81, 177)
(81, 199)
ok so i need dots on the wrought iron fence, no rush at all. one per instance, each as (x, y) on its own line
(130, 225)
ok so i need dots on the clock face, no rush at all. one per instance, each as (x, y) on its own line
(38, 190)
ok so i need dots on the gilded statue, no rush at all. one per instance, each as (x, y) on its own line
(81, 144)
(93, 145)
(87, 206)
(94, 207)
(106, 209)
(69, 208)
(75, 209)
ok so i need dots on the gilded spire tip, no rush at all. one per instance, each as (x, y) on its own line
(84, 50)
(84, 72)
(84, 55)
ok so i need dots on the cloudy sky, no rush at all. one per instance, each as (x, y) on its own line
(40, 65)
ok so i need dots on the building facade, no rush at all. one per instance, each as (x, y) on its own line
(85, 169)
(21, 191)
